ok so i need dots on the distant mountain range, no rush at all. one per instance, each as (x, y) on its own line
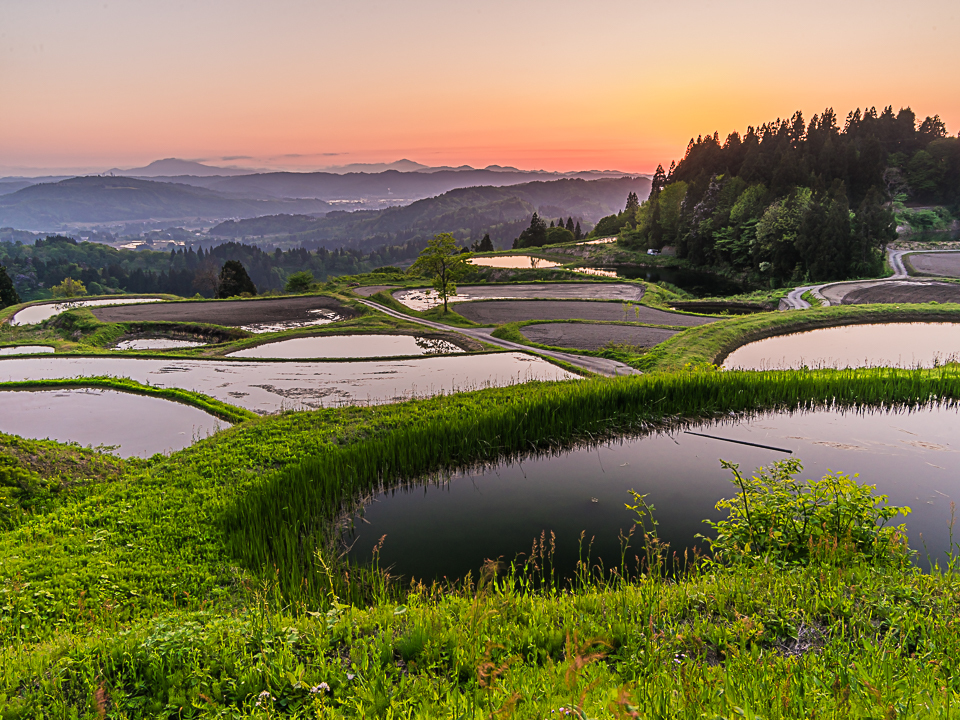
(204, 199)
(466, 212)
(49, 207)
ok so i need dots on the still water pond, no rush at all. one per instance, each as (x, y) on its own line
(905, 345)
(26, 350)
(350, 346)
(450, 528)
(140, 425)
(695, 282)
(516, 262)
(268, 387)
(38, 313)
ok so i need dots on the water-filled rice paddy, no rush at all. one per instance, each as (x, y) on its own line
(449, 526)
(38, 313)
(905, 345)
(156, 344)
(26, 350)
(695, 282)
(350, 346)
(422, 299)
(267, 387)
(516, 262)
(139, 425)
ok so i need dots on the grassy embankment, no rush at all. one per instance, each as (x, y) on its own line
(710, 344)
(188, 586)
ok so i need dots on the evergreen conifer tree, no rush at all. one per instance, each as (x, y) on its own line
(8, 293)
(577, 233)
(233, 280)
(569, 224)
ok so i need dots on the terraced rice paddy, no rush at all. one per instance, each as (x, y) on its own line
(268, 387)
(421, 299)
(448, 526)
(350, 346)
(156, 344)
(516, 262)
(136, 424)
(587, 336)
(26, 350)
(36, 314)
(904, 345)
(497, 312)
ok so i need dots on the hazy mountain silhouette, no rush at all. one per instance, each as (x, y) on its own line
(98, 199)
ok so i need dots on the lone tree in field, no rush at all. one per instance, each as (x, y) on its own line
(8, 293)
(69, 288)
(444, 261)
(299, 282)
(234, 280)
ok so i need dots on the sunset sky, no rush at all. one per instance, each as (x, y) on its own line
(559, 85)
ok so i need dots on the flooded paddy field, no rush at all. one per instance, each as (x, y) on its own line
(252, 315)
(157, 344)
(585, 336)
(514, 262)
(447, 527)
(904, 345)
(268, 387)
(419, 299)
(497, 312)
(139, 425)
(350, 346)
(36, 314)
(26, 350)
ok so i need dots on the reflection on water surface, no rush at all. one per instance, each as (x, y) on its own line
(140, 425)
(450, 529)
(350, 346)
(904, 345)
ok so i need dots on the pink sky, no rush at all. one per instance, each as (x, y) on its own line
(560, 85)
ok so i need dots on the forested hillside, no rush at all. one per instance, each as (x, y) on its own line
(467, 213)
(186, 272)
(796, 201)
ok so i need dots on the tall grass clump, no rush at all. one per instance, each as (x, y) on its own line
(281, 525)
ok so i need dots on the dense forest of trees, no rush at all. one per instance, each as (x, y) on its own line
(796, 201)
(34, 269)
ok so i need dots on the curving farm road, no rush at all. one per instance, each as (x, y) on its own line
(601, 366)
(794, 301)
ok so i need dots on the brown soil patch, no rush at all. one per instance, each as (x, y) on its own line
(225, 312)
(498, 312)
(583, 336)
(907, 292)
(937, 264)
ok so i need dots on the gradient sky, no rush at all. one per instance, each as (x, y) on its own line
(558, 85)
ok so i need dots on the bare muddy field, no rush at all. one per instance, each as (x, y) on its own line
(938, 264)
(583, 336)
(268, 387)
(419, 299)
(253, 314)
(902, 292)
(498, 312)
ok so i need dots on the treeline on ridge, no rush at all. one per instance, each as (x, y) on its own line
(795, 201)
(34, 269)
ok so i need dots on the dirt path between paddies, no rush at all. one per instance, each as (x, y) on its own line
(600, 366)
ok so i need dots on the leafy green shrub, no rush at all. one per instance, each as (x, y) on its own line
(299, 282)
(778, 518)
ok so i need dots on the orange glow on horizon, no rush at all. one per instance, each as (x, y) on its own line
(90, 87)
